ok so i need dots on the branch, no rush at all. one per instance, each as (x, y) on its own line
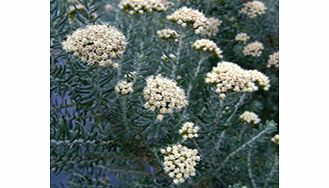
(178, 53)
(253, 182)
(253, 139)
(270, 174)
(79, 141)
(237, 106)
(221, 137)
(196, 72)
(122, 170)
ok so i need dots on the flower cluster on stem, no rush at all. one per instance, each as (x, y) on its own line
(164, 95)
(168, 34)
(229, 77)
(253, 9)
(96, 44)
(123, 87)
(179, 162)
(144, 6)
(254, 49)
(209, 46)
(201, 24)
(189, 131)
(249, 118)
(242, 37)
(273, 60)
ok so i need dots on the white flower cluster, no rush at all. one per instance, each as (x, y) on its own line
(179, 162)
(253, 9)
(249, 117)
(96, 44)
(254, 49)
(168, 34)
(189, 131)
(143, 6)
(212, 25)
(163, 94)
(275, 139)
(273, 60)
(207, 46)
(260, 79)
(201, 24)
(123, 87)
(242, 37)
(229, 77)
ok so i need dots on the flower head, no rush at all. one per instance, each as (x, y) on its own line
(96, 44)
(253, 9)
(207, 46)
(164, 95)
(249, 118)
(229, 77)
(189, 131)
(144, 6)
(201, 24)
(275, 139)
(242, 37)
(273, 60)
(212, 25)
(254, 49)
(179, 162)
(123, 87)
(168, 34)
(260, 79)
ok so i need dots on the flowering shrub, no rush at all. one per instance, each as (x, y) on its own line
(157, 93)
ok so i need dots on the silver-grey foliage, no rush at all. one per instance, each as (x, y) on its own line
(97, 134)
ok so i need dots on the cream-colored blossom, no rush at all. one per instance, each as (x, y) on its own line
(144, 6)
(211, 28)
(229, 77)
(189, 131)
(254, 49)
(275, 139)
(273, 60)
(207, 46)
(249, 118)
(123, 87)
(260, 79)
(202, 25)
(163, 95)
(96, 44)
(242, 37)
(179, 162)
(168, 34)
(253, 9)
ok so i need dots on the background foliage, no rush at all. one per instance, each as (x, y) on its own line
(99, 139)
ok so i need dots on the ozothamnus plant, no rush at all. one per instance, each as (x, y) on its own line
(164, 93)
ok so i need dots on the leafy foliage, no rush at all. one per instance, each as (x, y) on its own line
(102, 139)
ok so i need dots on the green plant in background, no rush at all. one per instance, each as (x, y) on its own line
(163, 93)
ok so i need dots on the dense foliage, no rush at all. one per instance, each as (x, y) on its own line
(103, 134)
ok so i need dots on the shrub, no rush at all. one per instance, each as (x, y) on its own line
(156, 93)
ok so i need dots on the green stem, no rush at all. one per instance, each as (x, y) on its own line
(178, 55)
